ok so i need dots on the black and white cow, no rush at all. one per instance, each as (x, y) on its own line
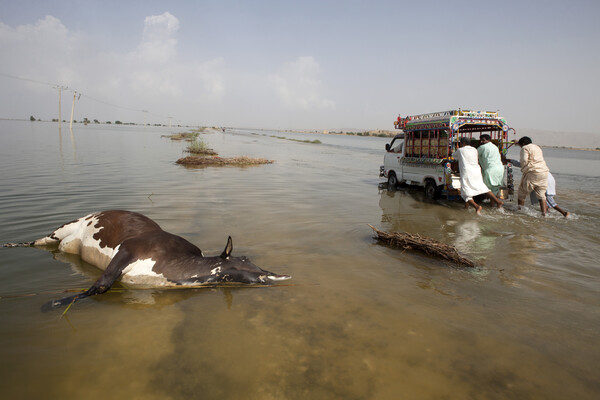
(133, 248)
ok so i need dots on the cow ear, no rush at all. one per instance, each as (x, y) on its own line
(228, 248)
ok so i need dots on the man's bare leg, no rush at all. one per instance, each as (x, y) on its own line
(492, 196)
(543, 207)
(476, 206)
(563, 212)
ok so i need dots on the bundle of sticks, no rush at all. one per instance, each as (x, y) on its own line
(432, 247)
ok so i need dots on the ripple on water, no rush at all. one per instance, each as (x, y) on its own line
(358, 320)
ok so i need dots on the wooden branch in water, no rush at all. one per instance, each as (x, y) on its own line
(432, 247)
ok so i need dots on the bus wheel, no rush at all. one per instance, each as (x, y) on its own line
(392, 181)
(432, 192)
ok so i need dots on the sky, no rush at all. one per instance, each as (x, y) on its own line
(311, 64)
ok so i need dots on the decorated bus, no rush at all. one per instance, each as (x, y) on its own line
(422, 154)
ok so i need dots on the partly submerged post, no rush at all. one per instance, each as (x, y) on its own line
(60, 89)
(72, 110)
(59, 112)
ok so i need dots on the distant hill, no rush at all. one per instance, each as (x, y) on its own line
(566, 139)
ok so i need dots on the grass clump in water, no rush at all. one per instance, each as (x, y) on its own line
(188, 136)
(299, 140)
(199, 146)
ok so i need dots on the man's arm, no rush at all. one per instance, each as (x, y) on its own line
(525, 155)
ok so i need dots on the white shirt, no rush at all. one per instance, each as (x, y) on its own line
(551, 191)
(471, 180)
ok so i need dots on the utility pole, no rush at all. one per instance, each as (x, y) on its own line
(145, 116)
(59, 113)
(170, 118)
(72, 110)
(60, 88)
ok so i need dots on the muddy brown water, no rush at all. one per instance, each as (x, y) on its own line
(357, 321)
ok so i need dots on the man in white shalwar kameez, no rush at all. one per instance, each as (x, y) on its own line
(535, 174)
(471, 180)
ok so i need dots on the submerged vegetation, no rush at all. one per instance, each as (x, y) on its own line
(187, 136)
(316, 141)
(204, 156)
(199, 146)
(241, 161)
(301, 141)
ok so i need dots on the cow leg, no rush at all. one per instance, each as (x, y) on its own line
(111, 275)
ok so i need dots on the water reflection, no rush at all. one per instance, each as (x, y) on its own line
(60, 146)
(468, 237)
(360, 322)
(152, 297)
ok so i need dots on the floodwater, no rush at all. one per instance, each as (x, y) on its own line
(357, 321)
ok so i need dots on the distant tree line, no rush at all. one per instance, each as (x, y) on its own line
(95, 121)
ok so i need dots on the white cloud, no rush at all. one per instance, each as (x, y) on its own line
(40, 51)
(153, 76)
(159, 41)
(157, 27)
(150, 76)
(298, 85)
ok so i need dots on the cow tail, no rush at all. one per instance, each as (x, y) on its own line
(26, 244)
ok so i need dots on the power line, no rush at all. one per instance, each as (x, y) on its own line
(62, 87)
(28, 80)
(109, 104)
